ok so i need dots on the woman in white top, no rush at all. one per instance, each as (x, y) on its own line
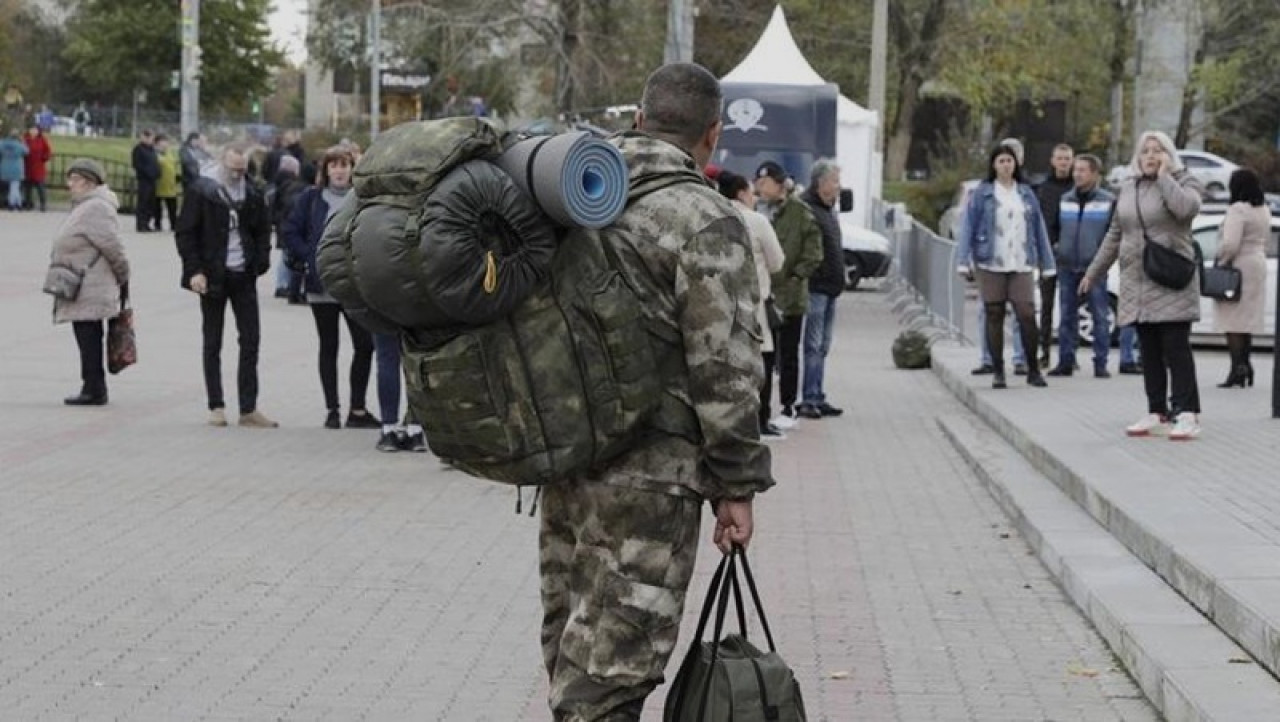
(1005, 237)
(769, 258)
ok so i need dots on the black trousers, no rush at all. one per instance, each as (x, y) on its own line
(1048, 296)
(242, 293)
(786, 345)
(1167, 361)
(766, 389)
(146, 209)
(170, 205)
(89, 335)
(31, 190)
(326, 315)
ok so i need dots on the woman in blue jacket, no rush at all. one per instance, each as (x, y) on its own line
(1003, 241)
(302, 230)
(12, 153)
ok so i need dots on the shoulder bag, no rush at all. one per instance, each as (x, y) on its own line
(63, 280)
(729, 678)
(1162, 264)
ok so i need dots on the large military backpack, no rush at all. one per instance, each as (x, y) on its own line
(561, 384)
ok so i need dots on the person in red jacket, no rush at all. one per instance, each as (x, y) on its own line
(37, 167)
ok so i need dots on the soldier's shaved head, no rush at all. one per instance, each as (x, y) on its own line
(681, 104)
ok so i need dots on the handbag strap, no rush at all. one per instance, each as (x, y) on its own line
(755, 598)
(721, 604)
(1137, 206)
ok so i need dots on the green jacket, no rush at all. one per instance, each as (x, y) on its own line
(801, 240)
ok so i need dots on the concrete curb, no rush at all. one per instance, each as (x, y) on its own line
(1227, 571)
(1185, 665)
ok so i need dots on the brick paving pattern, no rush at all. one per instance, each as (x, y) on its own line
(153, 568)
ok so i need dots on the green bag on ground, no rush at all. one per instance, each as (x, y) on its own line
(911, 350)
(728, 679)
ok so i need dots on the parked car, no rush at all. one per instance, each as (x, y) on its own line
(867, 254)
(1214, 171)
(1205, 229)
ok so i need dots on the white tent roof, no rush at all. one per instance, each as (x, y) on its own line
(777, 60)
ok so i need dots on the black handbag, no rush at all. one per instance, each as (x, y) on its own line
(1162, 264)
(726, 679)
(772, 315)
(1221, 283)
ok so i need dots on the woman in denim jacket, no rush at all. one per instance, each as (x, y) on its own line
(1004, 236)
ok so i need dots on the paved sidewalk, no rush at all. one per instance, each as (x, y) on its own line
(1204, 515)
(153, 568)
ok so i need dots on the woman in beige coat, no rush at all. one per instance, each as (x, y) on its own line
(769, 259)
(89, 240)
(1156, 205)
(1243, 246)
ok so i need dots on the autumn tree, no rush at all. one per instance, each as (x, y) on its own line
(121, 46)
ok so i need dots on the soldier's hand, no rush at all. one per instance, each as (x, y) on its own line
(199, 283)
(734, 524)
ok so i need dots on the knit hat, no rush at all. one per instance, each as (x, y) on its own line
(89, 169)
(770, 169)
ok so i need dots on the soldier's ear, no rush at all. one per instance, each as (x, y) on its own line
(712, 137)
(638, 124)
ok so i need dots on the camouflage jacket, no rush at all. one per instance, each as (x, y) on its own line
(801, 241)
(685, 251)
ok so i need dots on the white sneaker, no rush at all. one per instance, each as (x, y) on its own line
(1186, 427)
(784, 422)
(1148, 425)
(217, 417)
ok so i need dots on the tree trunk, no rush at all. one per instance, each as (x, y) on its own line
(1123, 28)
(1190, 96)
(900, 133)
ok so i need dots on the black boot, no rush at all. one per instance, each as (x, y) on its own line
(995, 343)
(1028, 328)
(1236, 376)
(997, 377)
(88, 396)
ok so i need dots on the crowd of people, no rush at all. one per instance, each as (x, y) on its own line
(224, 237)
(24, 169)
(1070, 230)
(796, 236)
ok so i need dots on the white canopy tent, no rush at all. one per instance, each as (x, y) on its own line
(777, 60)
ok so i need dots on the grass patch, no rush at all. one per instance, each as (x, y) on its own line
(71, 146)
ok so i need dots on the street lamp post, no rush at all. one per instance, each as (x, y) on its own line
(189, 32)
(375, 68)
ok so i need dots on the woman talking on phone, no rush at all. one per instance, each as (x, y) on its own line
(1155, 206)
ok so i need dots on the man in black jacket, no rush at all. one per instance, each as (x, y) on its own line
(146, 169)
(224, 239)
(825, 286)
(1050, 193)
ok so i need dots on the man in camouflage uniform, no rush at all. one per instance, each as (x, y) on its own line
(617, 546)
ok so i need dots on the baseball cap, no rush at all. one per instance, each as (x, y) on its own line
(772, 170)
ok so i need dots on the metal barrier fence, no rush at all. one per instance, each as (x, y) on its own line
(924, 269)
(120, 178)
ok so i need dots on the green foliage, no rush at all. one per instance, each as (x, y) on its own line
(117, 46)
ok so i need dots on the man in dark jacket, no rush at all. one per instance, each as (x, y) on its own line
(224, 239)
(193, 158)
(1049, 193)
(280, 196)
(146, 169)
(825, 286)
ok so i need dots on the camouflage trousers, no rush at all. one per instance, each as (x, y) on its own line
(616, 563)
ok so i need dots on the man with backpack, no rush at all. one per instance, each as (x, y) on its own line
(618, 544)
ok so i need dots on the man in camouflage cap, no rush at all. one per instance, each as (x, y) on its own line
(617, 546)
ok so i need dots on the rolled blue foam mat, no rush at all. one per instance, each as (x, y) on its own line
(575, 178)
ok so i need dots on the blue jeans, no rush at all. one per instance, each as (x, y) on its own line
(1129, 344)
(283, 274)
(15, 194)
(1069, 312)
(387, 349)
(1019, 353)
(818, 325)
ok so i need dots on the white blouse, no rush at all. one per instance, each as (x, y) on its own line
(1010, 252)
